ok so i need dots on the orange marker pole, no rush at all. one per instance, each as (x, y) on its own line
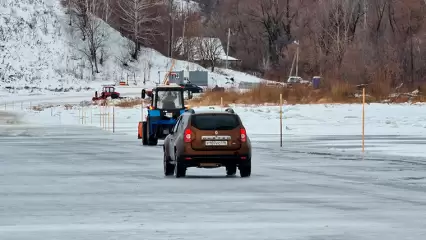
(363, 119)
(113, 119)
(281, 120)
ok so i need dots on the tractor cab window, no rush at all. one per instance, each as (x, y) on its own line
(169, 99)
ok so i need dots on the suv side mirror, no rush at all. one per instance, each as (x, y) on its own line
(143, 94)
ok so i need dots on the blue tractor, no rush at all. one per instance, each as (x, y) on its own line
(167, 104)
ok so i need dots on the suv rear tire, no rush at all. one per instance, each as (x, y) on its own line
(169, 168)
(245, 171)
(114, 96)
(180, 170)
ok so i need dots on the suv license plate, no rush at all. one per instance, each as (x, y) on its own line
(216, 143)
(209, 165)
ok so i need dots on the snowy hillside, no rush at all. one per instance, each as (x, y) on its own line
(40, 52)
(187, 5)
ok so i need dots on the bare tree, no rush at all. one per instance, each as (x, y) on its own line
(209, 50)
(92, 31)
(139, 21)
(338, 20)
(171, 8)
(408, 18)
(107, 11)
(93, 42)
(355, 40)
(265, 65)
(79, 12)
(186, 47)
(274, 20)
(125, 54)
(208, 6)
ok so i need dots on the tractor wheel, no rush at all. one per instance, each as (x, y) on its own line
(114, 96)
(152, 141)
(144, 133)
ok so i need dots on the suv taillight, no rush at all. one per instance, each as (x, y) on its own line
(243, 135)
(187, 136)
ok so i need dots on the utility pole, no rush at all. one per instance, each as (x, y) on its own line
(89, 7)
(171, 28)
(69, 12)
(173, 35)
(365, 14)
(297, 58)
(227, 48)
(183, 31)
(292, 65)
(190, 49)
(106, 3)
(184, 42)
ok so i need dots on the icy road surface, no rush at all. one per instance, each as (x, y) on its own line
(68, 183)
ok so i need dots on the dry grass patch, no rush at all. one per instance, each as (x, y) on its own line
(422, 90)
(333, 92)
(130, 103)
(419, 99)
(68, 106)
(380, 91)
(37, 108)
(341, 92)
(266, 94)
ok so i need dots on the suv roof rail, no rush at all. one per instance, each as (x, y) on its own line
(230, 110)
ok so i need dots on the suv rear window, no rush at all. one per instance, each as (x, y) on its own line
(215, 121)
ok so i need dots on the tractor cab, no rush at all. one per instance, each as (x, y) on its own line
(167, 97)
(108, 89)
(167, 104)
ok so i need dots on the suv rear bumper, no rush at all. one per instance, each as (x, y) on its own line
(220, 160)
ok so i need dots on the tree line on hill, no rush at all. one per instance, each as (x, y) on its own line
(356, 41)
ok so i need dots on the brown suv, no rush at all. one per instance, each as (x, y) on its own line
(208, 139)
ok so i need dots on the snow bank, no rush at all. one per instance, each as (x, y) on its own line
(35, 52)
(392, 129)
(40, 53)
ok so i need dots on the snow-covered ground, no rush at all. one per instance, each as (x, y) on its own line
(61, 179)
(65, 175)
(398, 129)
(40, 52)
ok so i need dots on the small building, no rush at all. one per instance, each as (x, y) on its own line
(204, 50)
